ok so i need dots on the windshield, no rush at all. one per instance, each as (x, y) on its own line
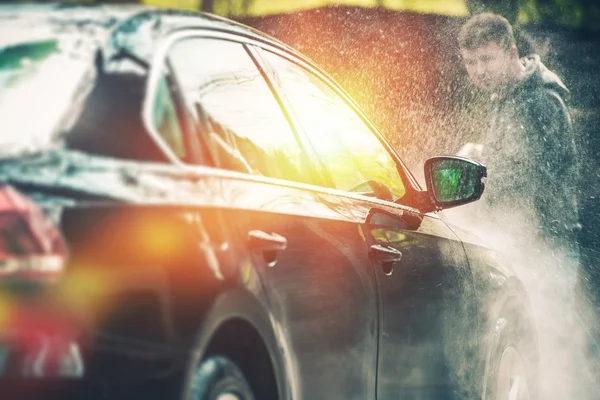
(39, 81)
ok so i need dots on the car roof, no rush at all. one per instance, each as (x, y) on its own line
(104, 35)
(27, 22)
(111, 27)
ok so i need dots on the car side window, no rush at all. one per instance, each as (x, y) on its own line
(165, 118)
(355, 158)
(235, 110)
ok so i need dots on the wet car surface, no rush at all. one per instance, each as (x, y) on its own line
(227, 206)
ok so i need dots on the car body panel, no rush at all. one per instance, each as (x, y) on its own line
(320, 288)
(427, 303)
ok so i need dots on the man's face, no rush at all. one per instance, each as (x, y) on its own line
(489, 65)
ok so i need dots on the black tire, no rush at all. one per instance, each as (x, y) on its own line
(513, 359)
(217, 376)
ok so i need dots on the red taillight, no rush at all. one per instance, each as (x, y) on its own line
(40, 335)
(31, 247)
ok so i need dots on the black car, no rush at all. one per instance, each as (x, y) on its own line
(237, 227)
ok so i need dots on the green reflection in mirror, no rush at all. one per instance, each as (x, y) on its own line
(453, 180)
(388, 236)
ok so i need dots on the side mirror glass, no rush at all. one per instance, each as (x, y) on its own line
(453, 181)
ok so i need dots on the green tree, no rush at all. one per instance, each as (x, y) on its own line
(225, 7)
(207, 6)
(507, 8)
(573, 13)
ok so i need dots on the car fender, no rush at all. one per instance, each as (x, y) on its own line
(236, 304)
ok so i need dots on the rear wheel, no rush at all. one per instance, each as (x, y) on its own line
(218, 378)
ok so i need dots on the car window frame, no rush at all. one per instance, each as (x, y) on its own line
(254, 45)
(246, 43)
(189, 139)
(410, 183)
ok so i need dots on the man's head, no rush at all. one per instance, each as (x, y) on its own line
(487, 44)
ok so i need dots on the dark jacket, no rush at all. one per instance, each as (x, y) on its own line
(530, 151)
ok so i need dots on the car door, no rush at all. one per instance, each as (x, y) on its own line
(422, 273)
(305, 241)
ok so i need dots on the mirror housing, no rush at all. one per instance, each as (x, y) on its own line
(452, 181)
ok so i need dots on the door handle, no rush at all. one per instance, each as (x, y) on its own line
(386, 256)
(259, 240)
(267, 243)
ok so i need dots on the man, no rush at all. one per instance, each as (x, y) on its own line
(531, 190)
(528, 147)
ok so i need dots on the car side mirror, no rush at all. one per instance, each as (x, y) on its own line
(453, 181)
